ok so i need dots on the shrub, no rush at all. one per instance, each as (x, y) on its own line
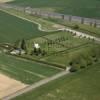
(71, 63)
(82, 67)
(73, 69)
(76, 27)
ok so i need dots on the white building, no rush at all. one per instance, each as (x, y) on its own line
(36, 45)
(17, 52)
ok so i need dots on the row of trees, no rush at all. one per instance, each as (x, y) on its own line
(38, 52)
(85, 58)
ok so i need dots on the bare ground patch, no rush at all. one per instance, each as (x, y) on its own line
(58, 26)
(9, 86)
(4, 1)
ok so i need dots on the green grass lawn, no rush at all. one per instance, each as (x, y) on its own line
(83, 85)
(84, 8)
(25, 71)
(79, 56)
(13, 28)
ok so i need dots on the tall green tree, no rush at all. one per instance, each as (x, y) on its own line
(23, 45)
(17, 44)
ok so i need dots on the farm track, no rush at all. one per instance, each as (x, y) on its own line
(36, 85)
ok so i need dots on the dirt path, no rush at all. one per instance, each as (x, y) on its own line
(36, 85)
(4, 1)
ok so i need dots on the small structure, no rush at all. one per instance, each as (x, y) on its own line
(36, 45)
(17, 52)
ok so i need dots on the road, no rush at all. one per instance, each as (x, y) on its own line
(36, 85)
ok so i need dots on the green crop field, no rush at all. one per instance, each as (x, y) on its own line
(86, 8)
(13, 28)
(83, 85)
(44, 54)
(25, 71)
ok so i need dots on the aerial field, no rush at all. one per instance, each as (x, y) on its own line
(25, 71)
(13, 28)
(83, 85)
(9, 85)
(58, 48)
(83, 8)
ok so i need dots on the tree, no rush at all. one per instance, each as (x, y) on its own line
(35, 50)
(43, 53)
(70, 18)
(82, 21)
(91, 23)
(76, 26)
(95, 24)
(23, 45)
(16, 44)
(39, 51)
(73, 69)
(71, 63)
(62, 16)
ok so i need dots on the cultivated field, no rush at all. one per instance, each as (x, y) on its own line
(25, 71)
(18, 29)
(84, 8)
(9, 86)
(83, 85)
(19, 32)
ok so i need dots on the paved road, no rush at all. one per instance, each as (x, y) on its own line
(35, 85)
